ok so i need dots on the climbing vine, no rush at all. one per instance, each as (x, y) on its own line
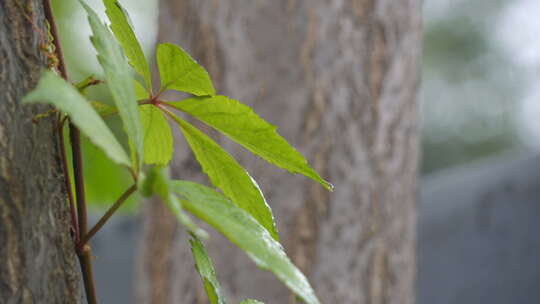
(238, 210)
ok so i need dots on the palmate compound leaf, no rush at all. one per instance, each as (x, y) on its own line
(157, 181)
(120, 82)
(244, 231)
(122, 29)
(244, 126)
(178, 71)
(56, 91)
(158, 139)
(228, 175)
(204, 266)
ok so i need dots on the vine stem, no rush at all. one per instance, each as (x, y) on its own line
(83, 252)
(67, 182)
(108, 214)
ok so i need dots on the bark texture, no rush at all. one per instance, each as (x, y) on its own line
(38, 264)
(339, 78)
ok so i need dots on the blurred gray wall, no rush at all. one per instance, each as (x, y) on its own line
(479, 239)
(114, 250)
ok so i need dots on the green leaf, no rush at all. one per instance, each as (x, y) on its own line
(225, 173)
(158, 182)
(158, 140)
(204, 266)
(140, 91)
(251, 301)
(244, 126)
(105, 180)
(120, 82)
(123, 30)
(178, 71)
(244, 231)
(54, 90)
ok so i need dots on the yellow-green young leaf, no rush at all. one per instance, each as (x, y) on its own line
(123, 30)
(120, 82)
(140, 91)
(243, 125)
(226, 174)
(158, 182)
(204, 266)
(56, 91)
(244, 231)
(158, 140)
(251, 301)
(178, 71)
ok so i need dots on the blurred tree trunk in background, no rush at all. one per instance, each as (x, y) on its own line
(340, 80)
(37, 260)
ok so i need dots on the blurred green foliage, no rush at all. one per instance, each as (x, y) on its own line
(452, 44)
(469, 91)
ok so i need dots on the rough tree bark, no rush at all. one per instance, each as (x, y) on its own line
(339, 78)
(37, 261)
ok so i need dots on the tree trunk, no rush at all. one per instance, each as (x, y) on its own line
(38, 264)
(340, 79)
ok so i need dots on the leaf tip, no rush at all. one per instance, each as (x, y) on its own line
(328, 186)
(200, 233)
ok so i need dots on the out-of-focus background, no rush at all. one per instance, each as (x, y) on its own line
(480, 80)
(480, 189)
